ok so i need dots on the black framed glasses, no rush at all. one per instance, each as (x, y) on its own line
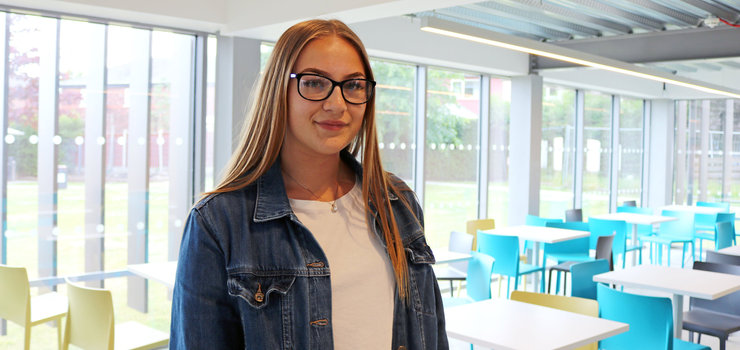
(314, 87)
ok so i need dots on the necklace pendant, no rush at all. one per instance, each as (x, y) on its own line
(334, 208)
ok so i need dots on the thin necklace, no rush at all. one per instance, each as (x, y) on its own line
(333, 203)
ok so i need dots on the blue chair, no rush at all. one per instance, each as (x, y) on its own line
(723, 205)
(534, 220)
(602, 227)
(582, 277)
(725, 235)
(650, 320)
(642, 230)
(677, 231)
(477, 282)
(505, 249)
(603, 252)
(460, 242)
(705, 227)
(575, 250)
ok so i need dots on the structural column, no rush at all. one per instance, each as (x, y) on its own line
(526, 135)
(660, 181)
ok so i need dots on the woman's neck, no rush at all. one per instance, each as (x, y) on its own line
(322, 178)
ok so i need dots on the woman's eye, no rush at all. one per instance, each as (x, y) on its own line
(355, 85)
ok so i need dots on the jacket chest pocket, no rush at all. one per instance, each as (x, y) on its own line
(422, 281)
(259, 291)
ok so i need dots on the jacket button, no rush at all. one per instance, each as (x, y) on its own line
(259, 296)
(401, 347)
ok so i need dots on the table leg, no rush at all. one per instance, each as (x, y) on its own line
(536, 260)
(677, 315)
(634, 244)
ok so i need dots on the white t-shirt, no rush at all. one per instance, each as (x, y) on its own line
(362, 282)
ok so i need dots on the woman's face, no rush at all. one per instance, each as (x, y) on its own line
(325, 127)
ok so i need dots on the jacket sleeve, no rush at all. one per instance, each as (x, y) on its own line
(203, 315)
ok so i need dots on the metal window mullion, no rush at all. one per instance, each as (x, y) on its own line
(578, 166)
(4, 69)
(727, 151)
(199, 117)
(95, 98)
(48, 123)
(704, 160)
(645, 173)
(483, 140)
(138, 163)
(682, 155)
(420, 104)
(614, 154)
(180, 160)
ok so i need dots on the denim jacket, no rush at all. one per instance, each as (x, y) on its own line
(251, 276)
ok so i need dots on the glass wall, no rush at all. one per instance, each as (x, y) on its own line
(596, 153)
(629, 170)
(450, 173)
(498, 151)
(558, 151)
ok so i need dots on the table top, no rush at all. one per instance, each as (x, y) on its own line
(162, 272)
(444, 256)
(635, 218)
(693, 208)
(539, 233)
(734, 250)
(509, 324)
(694, 283)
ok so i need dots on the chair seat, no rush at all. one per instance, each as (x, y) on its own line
(527, 268)
(48, 306)
(560, 257)
(448, 273)
(705, 235)
(564, 266)
(633, 247)
(710, 322)
(135, 336)
(679, 344)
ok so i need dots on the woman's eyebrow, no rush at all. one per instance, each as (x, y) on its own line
(325, 73)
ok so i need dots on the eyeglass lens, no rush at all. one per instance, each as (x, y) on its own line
(315, 87)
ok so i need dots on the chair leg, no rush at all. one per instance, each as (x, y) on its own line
(722, 343)
(549, 280)
(508, 285)
(565, 283)
(683, 254)
(59, 333)
(27, 337)
(691, 336)
(452, 288)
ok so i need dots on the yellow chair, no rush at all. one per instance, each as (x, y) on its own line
(582, 306)
(91, 324)
(472, 227)
(17, 305)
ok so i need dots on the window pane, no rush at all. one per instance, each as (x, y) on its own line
(558, 151)
(210, 111)
(394, 117)
(630, 150)
(597, 152)
(715, 154)
(498, 152)
(733, 192)
(450, 196)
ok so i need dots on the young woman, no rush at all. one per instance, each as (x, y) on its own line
(300, 246)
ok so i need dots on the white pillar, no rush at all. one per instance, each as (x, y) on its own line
(660, 181)
(526, 135)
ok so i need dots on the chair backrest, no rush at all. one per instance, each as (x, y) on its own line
(505, 249)
(90, 320)
(574, 215)
(602, 227)
(636, 210)
(478, 280)
(604, 246)
(15, 295)
(472, 227)
(572, 246)
(630, 203)
(581, 306)
(723, 205)
(460, 242)
(534, 220)
(719, 258)
(582, 275)
(650, 319)
(683, 227)
(728, 304)
(728, 217)
(725, 234)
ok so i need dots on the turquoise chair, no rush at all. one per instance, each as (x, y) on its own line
(505, 249)
(650, 320)
(725, 235)
(642, 230)
(534, 220)
(705, 227)
(724, 205)
(477, 281)
(602, 227)
(677, 231)
(582, 277)
(571, 250)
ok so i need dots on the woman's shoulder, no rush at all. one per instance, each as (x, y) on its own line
(229, 199)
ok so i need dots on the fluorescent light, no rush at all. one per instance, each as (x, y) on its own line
(478, 35)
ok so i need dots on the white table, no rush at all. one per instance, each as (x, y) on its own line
(539, 235)
(679, 282)
(444, 256)
(694, 209)
(635, 219)
(734, 250)
(162, 272)
(509, 324)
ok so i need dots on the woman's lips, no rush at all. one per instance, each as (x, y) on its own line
(331, 125)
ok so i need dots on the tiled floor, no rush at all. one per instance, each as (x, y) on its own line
(732, 344)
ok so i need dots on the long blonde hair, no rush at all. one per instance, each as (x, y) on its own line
(262, 137)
